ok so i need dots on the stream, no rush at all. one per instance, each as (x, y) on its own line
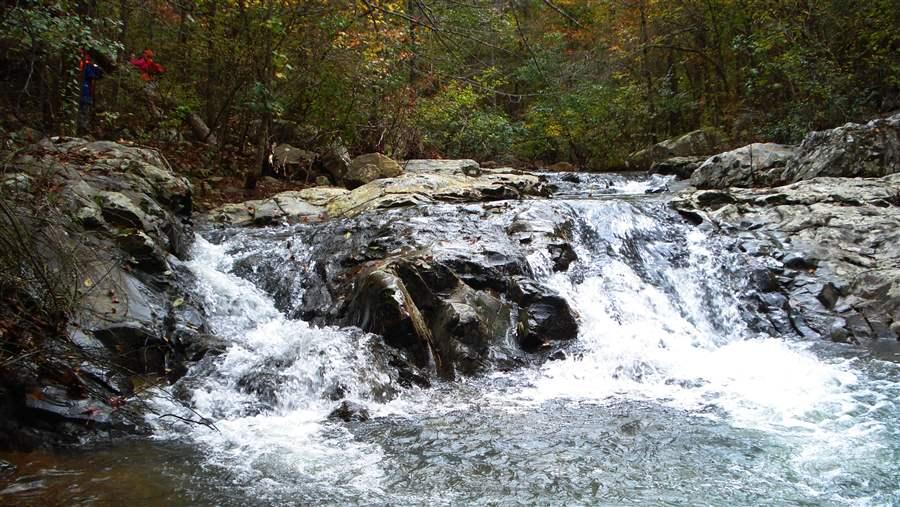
(671, 395)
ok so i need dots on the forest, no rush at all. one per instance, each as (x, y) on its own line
(519, 82)
(450, 252)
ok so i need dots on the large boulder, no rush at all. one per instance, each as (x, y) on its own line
(424, 307)
(334, 161)
(370, 167)
(293, 206)
(694, 143)
(867, 150)
(315, 204)
(292, 163)
(544, 316)
(853, 150)
(757, 164)
(127, 221)
(413, 189)
(452, 286)
(349, 411)
(682, 167)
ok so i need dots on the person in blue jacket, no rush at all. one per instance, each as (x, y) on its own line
(90, 72)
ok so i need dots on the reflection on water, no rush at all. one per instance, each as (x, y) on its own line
(129, 473)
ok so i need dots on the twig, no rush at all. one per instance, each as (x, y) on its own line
(204, 422)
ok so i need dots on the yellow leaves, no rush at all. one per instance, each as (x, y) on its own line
(553, 130)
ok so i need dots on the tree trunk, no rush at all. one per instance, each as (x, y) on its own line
(645, 67)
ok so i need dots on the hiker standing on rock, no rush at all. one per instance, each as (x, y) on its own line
(90, 72)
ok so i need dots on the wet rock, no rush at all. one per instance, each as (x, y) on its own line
(557, 355)
(466, 324)
(545, 316)
(895, 328)
(200, 345)
(571, 178)
(463, 167)
(185, 322)
(130, 221)
(56, 401)
(838, 240)
(799, 260)
(145, 253)
(868, 150)
(682, 167)
(7, 469)
(263, 384)
(713, 199)
(757, 164)
(433, 282)
(828, 295)
(562, 255)
(764, 280)
(349, 411)
(381, 304)
(425, 308)
(695, 143)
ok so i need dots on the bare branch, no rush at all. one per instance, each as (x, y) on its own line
(563, 13)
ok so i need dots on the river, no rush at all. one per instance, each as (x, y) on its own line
(670, 396)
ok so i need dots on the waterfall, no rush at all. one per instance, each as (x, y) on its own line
(669, 395)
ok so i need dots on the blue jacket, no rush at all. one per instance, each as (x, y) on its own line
(91, 72)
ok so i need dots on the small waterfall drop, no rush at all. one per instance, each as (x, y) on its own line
(668, 396)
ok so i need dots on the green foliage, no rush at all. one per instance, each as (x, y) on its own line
(45, 41)
(455, 123)
(587, 82)
(594, 125)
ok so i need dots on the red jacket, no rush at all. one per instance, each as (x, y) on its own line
(149, 69)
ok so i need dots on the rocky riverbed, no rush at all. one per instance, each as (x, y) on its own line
(830, 236)
(415, 331)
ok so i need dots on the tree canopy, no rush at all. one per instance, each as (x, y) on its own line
(550, 80)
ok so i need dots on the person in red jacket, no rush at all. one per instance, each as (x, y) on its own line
(148, 67)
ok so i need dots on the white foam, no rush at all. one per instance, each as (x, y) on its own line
(289, 436)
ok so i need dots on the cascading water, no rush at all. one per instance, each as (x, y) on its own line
(669, 396)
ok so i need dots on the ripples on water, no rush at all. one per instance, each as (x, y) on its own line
(667, 398)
